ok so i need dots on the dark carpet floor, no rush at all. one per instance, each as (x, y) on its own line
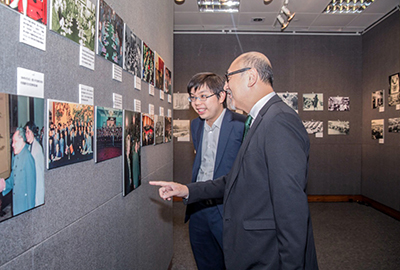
(347, 236)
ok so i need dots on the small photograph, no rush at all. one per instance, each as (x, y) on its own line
(159, 72)
(181, 101)
(159, 129)
(291, 99)
(168, 81)
(109, 34)
(338, 127)
(377, 126)
(71, 131)
(75, 20)
(339, 104)
(132, 53)
(182, 130)
(34, 9)
(168, 129)
(313, 102)
(132, 152)
(148, 64)
(108, 143)
(147, 129)
(394, 125)
(377, 99)
(22, 159)
(394, 84)
(314, 127)
(394, 99)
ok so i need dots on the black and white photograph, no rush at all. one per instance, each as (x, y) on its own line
(394, 83)
(181, 101)
(182, 130)
(338, 127)
(167, 129)
(159, 129)
(313, 127)
(132, 53)
(291, 99)
(313, 102)
(339, 104)
(377, 126)
(394, 125)
(377, 99)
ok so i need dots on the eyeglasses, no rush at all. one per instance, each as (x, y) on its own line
(235, 72)
(200, 98)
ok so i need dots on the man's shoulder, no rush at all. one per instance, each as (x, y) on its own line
(237, 117)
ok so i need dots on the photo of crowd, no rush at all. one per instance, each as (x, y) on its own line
(339, 104)
(314, 127)
(394, 125)
(133, 53)
(148, 64)
(147, 129)
(291, 99)
(108, 143)
(338, 127)
(71, 132)
(377, 126)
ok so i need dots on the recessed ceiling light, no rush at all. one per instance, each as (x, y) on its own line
(257, 19)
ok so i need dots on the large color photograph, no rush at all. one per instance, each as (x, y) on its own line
(74, 19)
(148, 64)
(108, 143)
(71, 132)
(34, 9)
(131, 144)
(21, 154)
(110, 34)
(132, 53)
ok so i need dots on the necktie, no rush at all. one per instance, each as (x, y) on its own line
(247, 125)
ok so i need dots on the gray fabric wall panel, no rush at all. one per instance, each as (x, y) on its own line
(86, 223)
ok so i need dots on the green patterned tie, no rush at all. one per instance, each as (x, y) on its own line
(247, 125)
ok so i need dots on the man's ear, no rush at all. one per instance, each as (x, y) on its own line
(252, 77)
(222, 96)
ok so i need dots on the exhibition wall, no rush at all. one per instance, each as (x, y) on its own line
(334, 65)
(86, 222)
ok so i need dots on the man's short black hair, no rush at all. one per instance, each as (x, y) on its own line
(213, 81)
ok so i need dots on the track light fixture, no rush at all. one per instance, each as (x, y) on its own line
(288, 14)
(285, 16)
(284, 24)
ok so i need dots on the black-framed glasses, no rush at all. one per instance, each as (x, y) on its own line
(201, 97)
(235, 72)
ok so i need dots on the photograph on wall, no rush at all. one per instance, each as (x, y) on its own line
(291, 99)
(313, 102)
(71, 132)
(377, 99)
(148, 64)
(181, 101)
(168, 81)
(394, 125)
(159, 129)
(168, 129)
(394, 93)
(159, 64)
(338, 127)
(74, 19)
(22, 159)
(132, 152)
(147, 129)
(377, 127)
(339, 104)
(314, 127)
(34, 9)
(182, 130)
(108, 143)
(110, 31)
(132, 53)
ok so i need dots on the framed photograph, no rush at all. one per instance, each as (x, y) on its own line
(168, 129)
(377, 127)
(168, 81)
(75, 20)
(147, 129)
(394, 83)
(71, 131)
(338, 127)
(291, 99)
(394, 125)
(148, 64)
(36, 10)
(132, 152)
(22, 159)
(181, 101)
(132, 53)
(377, 99)
(108, 142)
(313, 102)
(182, 130)
(159, 129)
(159, 72)
(110, 31)
(339, 104)
(314, 127)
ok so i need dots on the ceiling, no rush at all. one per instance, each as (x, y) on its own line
(309, 17)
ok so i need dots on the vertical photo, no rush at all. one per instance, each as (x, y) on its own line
(168, 129)
(147, 129)
(148, 64)
(168, 81)
(132, 53)
(159, 72)
(159, 129)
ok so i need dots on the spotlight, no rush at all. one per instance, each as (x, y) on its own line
(289, 15)
(267, 2)
(179, 2)
(282, 22)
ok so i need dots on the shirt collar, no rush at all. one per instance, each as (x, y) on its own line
(258, 106)
(217, 123)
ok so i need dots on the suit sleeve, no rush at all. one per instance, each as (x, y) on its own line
(286, 152)
(211, 189)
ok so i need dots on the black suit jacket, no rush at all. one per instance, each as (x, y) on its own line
(267, 222)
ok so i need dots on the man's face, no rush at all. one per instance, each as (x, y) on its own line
(234, 87)
(29, 135)
(211, 108)
(17, 143)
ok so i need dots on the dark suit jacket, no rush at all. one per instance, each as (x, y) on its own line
(267, 222)
(230, 139)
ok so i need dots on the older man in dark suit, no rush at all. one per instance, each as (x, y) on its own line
(267, 222)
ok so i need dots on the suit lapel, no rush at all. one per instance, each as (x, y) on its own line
(225, 130)
(198, 134)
